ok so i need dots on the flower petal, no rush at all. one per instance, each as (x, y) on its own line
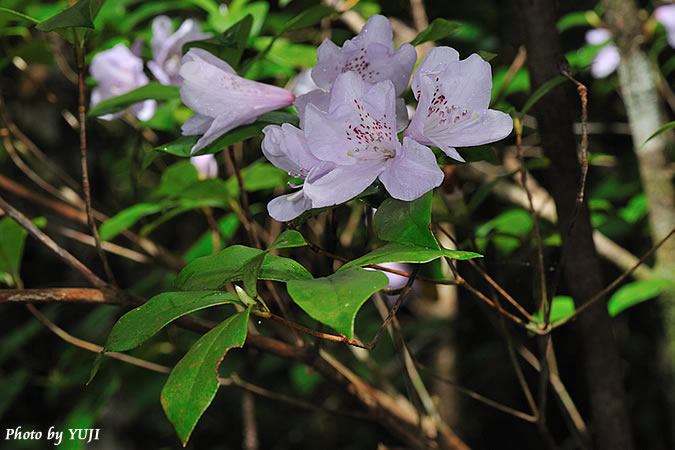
(435, 62)
(288, 207)
(206, 165)
(286, 147)
(317, 97)
(413, 174)
(196, 124)
(666, 15)
(493, 126)
(341, 184)
(598, 36)
(221, 125)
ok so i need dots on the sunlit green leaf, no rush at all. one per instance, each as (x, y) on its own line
(193, 382)
(438, 29)
(126, 218)
(336, 299)
(663, 129)
(406, 222)
(635, 293)
(16, 15)
(212, 272)
(395, 252)
(562, 306)
(12, 239)
(143, 322)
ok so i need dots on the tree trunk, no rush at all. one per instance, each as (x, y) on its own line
(582, 271)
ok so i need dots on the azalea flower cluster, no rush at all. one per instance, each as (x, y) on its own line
(348, 134)
(607, 59)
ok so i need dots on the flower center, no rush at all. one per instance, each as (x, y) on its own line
(372, 138)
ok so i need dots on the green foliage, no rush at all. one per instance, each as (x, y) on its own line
(143, 322)
(16, 15)
(438, 29)
(506, 231)
(395, 252)
(635, 293)
(336, 299)
(81, 14)
(193, 382)
(126, 218)
(562, 306)
(212, 272)
(406, 222)
(152, 90)
(12, 240)
(661, 130)
(230, 45)
(540, 92)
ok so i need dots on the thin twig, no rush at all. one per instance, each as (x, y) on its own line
(60, 332)
(476, 396)
(583, 96)
(612, 285)
(53, 246)
(492, 282)
(59, 295)
(82, 109)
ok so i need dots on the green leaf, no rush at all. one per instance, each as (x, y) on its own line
(288, 239)
(661, 130)
(540, 92)
(212, 272)
(193, 383)
(395, 252)
(152, 90)
(176, 178)
(487, 56)
(16, 15)
(183, 145)
(126, 218)
(228, 46)
(81, 14)
(636, 292)
(140, 324)
(308, 17)
(562, 306)
(336, 299)
(12, 239)
(406, 222)
(438, 29)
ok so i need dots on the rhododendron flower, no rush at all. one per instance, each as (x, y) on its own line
(206, 165)
(118, 71)
(607, 59)
(167, 47)
(347, 146)
(370, 54)
(453, 98)
(286, 147)
(666, 15)
(221, 99)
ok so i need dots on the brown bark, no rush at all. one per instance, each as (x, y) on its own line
(610, 422)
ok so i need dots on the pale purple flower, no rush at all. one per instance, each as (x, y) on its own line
(453, 98)
(206, 165)
(118, 71)
(286, 147)
(666, 15)
(606, 60)
(345, 147)
(167, 47)
(370, 54)
(221, 99)
(303, 83)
